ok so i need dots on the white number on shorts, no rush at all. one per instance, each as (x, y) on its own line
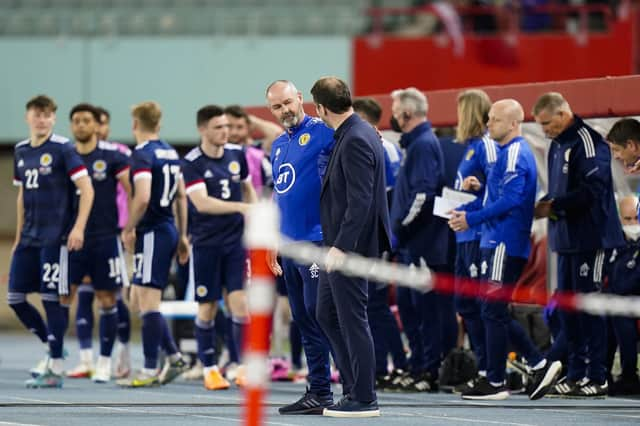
(137, 264)
(169, 188)
(114, 267)
(51, 272)
(32, 178)
(226, 192)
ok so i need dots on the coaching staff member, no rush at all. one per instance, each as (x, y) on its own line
(355, 218)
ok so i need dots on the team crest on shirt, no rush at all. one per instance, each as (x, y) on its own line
(201, 291)
(99, 170)
(473, 271)
(45, 163)
(314, 271)
(234, 167)
(470, 154)
(304, 139)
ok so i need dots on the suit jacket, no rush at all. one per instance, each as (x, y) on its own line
(353, 204)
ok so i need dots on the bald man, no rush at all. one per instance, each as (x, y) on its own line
(583, 230)
(624, 279)
(506, 216)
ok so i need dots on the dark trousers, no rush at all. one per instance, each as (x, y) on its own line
(302, 289)
(501, 271)
(582, 273)
(342, 314)
(384, 329)
(412, 326)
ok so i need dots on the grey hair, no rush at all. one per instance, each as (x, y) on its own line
(413, 100)
(287, 82)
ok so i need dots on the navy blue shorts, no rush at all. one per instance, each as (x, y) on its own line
(218, 267)
(154, 253)
(102, 260)
(40, 269)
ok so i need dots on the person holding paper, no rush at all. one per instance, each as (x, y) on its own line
(506, 215)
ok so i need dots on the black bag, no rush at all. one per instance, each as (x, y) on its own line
(458, 367)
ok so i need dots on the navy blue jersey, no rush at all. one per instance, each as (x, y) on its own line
(507, 213)
(480, 156)
(46, 174)
(222, 178)
(158, 161)
(299, 157)
(581, 186)
(105, 165)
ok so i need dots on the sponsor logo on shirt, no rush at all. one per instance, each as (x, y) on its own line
(470, 154)
(286, 178)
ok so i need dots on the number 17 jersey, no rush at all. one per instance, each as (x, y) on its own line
(158, 161)
(221, 177)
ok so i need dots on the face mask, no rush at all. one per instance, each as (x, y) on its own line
(395, 126)
(632, 232)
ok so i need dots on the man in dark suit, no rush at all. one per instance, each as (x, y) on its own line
(355, 218)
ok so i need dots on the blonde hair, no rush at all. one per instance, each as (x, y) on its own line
(148, 115)
(473, 114)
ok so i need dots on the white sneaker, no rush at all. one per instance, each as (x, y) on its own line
(195, 373)
(123, 362)
(81, 371)
(231, 371)
(40, 368)
(102, 374)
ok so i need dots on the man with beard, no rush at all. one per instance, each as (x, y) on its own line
(240, 128)
(100, 263)
(298, 158)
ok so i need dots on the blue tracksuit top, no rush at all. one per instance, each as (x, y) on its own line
(299, 157)
(511, 191)
(585, 216)
(480, 156)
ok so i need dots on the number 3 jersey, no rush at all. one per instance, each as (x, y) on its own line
(158, 161)
(222, 178)
(46, 174)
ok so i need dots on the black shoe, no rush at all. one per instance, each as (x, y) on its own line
(543, 379)
(590, 390)
(310, 403)
(348, 408)
(625, 386)
(467, 386)
(486, 391)
(564, 387)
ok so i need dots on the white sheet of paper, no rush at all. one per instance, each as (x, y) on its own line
(457, 196)
(442, 207)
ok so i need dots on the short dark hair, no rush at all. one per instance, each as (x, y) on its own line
(368, 107)
(103, 111)
(85, 107)
(623, 131)
(333, 94)
(207, 112)
(42, 102)
(236, 111)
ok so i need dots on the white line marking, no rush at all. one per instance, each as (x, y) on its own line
(17, 424)
(454, 419)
